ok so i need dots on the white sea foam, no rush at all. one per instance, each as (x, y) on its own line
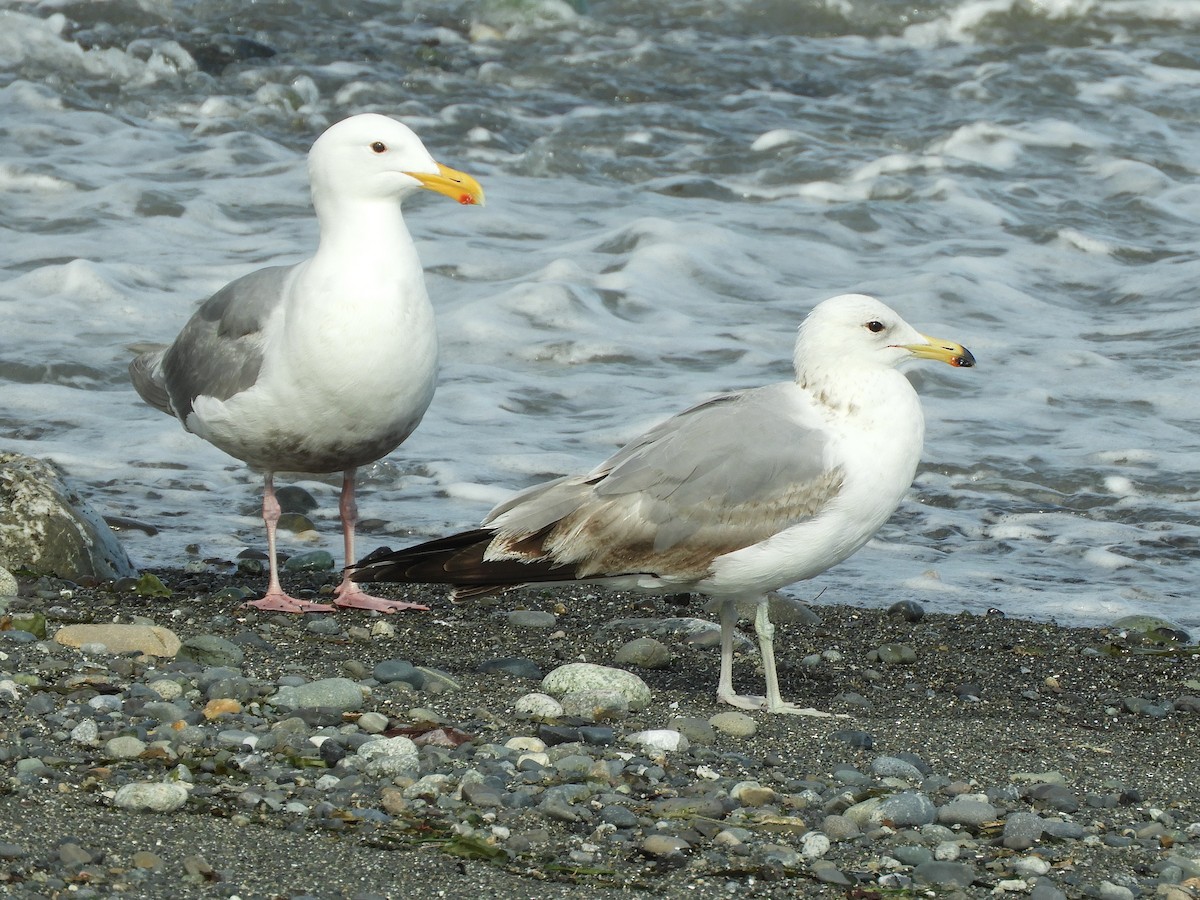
(667, 198)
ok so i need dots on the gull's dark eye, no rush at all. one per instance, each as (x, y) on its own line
(379, 147)
(875, 326)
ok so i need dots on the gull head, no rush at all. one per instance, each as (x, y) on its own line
(854, 331)
(371, 157)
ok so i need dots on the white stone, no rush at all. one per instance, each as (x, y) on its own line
(660, 740)
(814, 845)
(1028, 866)
(947, 851)
(526, 742)
(538, 706)
(151, 796)
(1011, 886)
(389, 757)
(86, 732)
(429, 787)
(166, 688)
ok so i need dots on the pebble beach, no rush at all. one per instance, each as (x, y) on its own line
(550, 742)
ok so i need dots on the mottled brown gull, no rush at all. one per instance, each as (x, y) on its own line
(736, 497)
(329, 364)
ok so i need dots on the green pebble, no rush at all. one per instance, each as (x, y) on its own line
(149, 585)
(295, 523)
(250, 566)
(312, 561)
(34, 623)
(897, 654)
(233, 594)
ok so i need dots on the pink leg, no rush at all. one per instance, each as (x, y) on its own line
(348, 593)
(276, 600)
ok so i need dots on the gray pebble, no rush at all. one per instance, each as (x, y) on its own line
(86, 733)
(840, 828)
(859, 740)
(944, 874)
(1022, 830)
(481, 794)
(734, 724)
(210, 650)
(897, 654)
(1045, 889)
(531, 618)
(645, 652)
(515, 666)
(326, 625)
(660, 845)
(968, 812)
(1057, 797)
(698, 731)
(907, 808)
(391, 670)
(618, 817)
(825, 871)
(8, 583)
(892, 767)
(335, 693)
(435, 681)
(373, 722)
(658, 740)
(124, 747)
(909, 610)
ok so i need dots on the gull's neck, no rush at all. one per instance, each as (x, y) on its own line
(845, 389)
(354, 231)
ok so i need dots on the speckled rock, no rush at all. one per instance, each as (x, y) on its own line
(152, 640)
(734, 724)
(588, 676)
(645, 652)
(210, 650)
(537, 706)
(45, 526)
(8, 583)
(151, 796)
(339, 693)
(595, 705)
(390, 757)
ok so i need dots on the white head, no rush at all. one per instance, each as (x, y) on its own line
(854, 331)
(372, 157)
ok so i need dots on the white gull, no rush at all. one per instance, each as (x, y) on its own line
(734, 498)
(329, 364)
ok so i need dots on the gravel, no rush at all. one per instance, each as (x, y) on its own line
(470, 752)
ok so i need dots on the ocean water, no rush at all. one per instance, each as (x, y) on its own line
(671, 186)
